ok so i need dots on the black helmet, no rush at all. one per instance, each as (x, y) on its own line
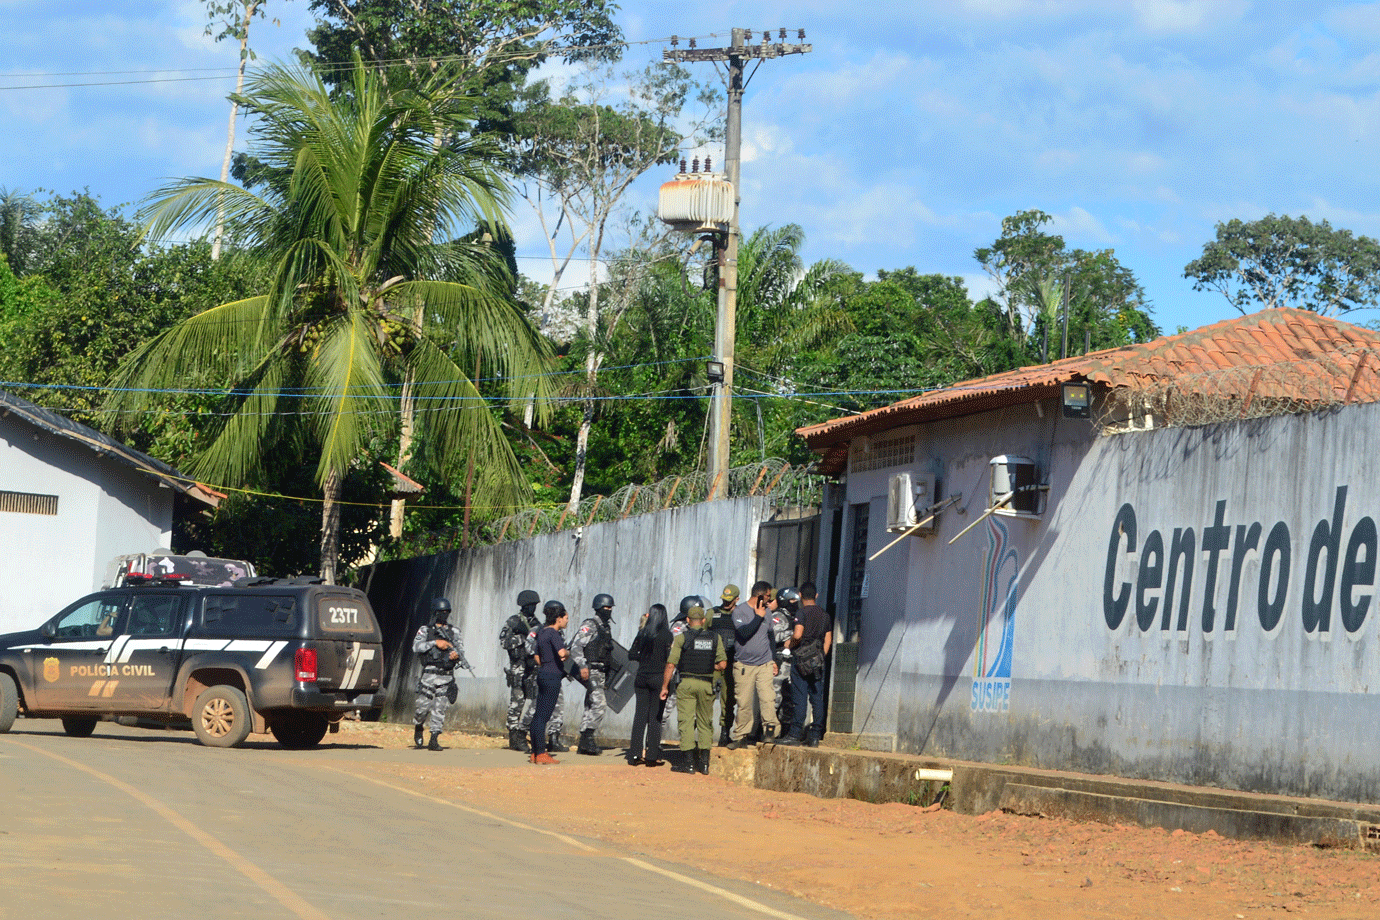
(528, 598)
(789, 598)
(688, 601)
(440, 610)
(603, 600)
(553, 610)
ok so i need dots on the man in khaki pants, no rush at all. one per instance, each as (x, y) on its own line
(754, 665)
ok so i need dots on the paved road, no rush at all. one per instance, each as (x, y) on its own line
(149, 824)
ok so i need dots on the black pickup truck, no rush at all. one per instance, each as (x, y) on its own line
(289, 657)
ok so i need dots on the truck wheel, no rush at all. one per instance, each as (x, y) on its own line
(79, 726)
(221, 717)
(298, 731)
(9, 702)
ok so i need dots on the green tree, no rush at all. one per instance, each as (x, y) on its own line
(231, 19)
(1031, 269)
(581, 154)
(19, 214)
(95, 294)
(1282, 261)
(493, 43)
(356, 285)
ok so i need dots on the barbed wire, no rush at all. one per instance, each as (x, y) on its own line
(775, 479)
(1319, 383)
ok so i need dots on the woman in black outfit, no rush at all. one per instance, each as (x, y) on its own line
(650, 650)
(551, 652)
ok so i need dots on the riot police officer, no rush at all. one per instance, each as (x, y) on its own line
(439, 645)
(592, 651)
(522, 668)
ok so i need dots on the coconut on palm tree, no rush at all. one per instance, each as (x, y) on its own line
(373, 310)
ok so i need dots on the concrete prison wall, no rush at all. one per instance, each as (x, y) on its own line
(651, 558)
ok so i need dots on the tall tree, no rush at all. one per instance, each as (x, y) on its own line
(355, 284)
(1031, 269)
(492, 43)
(1282, 261)
(231, 19)
(19, 214)
(581, 154)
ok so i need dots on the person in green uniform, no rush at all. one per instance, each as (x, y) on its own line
(697, 653)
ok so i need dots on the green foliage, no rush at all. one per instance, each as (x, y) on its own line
(1281, 261)
(19, 215)
(280, 535)
(358, 297)
(1031, 268)
(95, 295)
(912, 332)
(231, 18)
(494, 43)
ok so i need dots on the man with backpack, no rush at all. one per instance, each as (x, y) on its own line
(810, 642)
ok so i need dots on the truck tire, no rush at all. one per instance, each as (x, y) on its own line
(298, 731)
(79, 726)
(9, 702)
(221, 717)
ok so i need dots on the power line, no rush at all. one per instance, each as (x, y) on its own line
(226, 73)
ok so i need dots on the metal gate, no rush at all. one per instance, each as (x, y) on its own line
(787, 551)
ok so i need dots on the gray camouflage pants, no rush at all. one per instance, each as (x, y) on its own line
(595, 703)
(433, 698)
(522, 697)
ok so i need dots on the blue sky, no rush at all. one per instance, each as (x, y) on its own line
(903, 139)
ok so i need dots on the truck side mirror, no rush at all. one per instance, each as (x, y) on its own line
(47, 630)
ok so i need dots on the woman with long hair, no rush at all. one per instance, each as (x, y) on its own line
(551, 654)
(649, 650)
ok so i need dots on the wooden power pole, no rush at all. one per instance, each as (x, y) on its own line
(735, 56)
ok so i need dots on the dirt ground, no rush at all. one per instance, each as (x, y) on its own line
(892, 861)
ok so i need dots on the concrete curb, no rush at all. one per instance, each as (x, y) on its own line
(828, 772)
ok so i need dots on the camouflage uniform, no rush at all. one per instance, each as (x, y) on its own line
(436, 683)
(517, 637)
(782, 626)
(594, 630)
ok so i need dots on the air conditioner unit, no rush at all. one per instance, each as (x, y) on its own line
(908, 498)
(1019, 475)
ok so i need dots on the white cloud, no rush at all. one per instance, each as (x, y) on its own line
(1186, 16)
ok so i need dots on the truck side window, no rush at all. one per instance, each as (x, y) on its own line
(94, 619)
(153, 615)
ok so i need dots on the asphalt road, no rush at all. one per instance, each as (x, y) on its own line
(150, 824)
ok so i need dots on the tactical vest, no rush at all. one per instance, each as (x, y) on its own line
(599, 650)
(697, 653)
(513, 638)
(438, 659)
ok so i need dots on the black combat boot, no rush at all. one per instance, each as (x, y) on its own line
(702, 761)
(435, 744)
(517, 740)
(812, 740)
(554, 744)
(587, 743)
(687, 762)
(417, 737)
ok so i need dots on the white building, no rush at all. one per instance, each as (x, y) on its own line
(1186, 592)
(71, 499)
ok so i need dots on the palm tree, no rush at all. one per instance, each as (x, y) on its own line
(365, 317)
(781, 304)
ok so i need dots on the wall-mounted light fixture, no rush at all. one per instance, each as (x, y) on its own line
(1077, 399)
(715, 371)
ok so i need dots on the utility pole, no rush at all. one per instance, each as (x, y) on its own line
(735, 57)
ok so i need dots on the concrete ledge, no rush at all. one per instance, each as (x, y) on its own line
(861, 742)
(1241, 824)
(830, 774)
(978, 788)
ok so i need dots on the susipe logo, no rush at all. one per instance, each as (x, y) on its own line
(1334, 577)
